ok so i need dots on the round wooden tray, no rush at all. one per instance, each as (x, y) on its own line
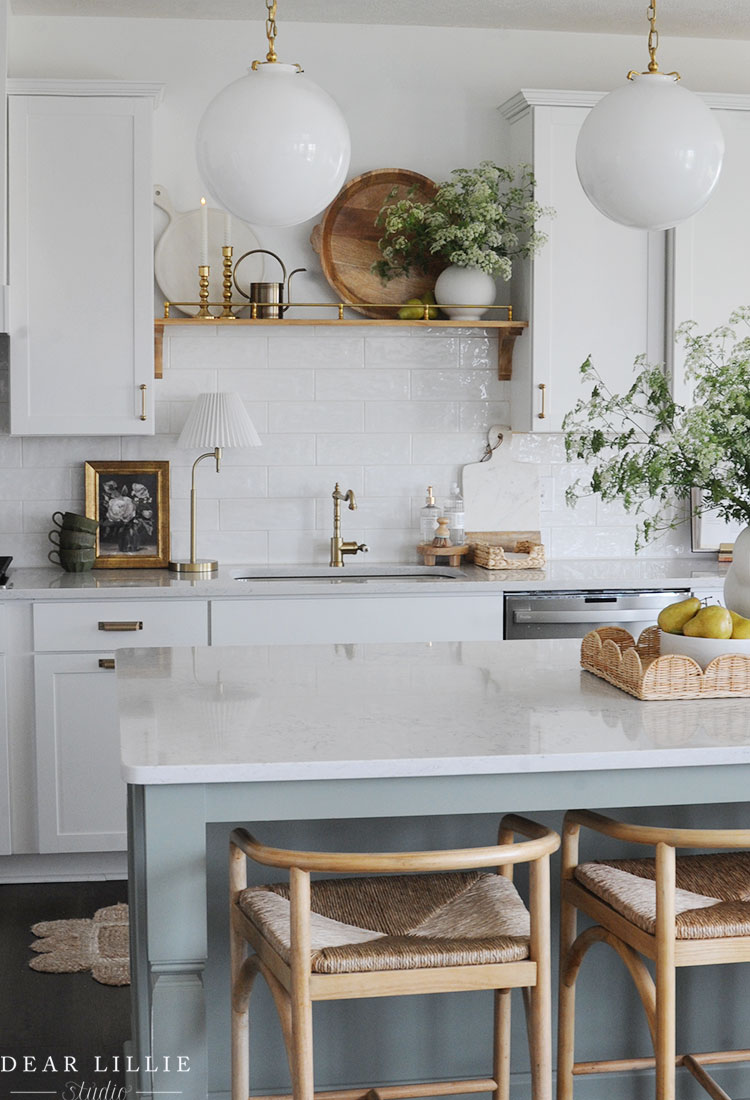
(347, 241)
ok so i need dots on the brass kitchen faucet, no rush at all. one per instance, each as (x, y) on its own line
(338, 546)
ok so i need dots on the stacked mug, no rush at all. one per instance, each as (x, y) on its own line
(74, 538)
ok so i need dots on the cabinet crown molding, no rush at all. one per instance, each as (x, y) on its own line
(44, 86)
(515, 107)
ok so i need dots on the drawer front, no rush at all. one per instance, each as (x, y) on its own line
(289, 621)
(113, 624)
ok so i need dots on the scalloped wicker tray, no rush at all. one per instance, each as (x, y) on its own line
(636, 667)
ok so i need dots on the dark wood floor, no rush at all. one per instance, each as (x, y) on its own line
(49, 1016)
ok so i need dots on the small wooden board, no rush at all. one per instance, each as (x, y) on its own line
(347, 241)
(452, 553)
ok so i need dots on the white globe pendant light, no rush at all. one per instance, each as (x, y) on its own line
(273, 147)
(649, 154)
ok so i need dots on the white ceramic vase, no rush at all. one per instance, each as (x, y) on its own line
(737, 580)
(464, 287)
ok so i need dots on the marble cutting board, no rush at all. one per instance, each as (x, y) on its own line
(501, 494)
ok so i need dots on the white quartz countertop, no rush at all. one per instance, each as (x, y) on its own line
(354, 579)
(267, 713)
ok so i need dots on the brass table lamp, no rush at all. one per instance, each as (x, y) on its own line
(216, 420)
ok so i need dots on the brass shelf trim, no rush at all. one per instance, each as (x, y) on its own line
(507, 330)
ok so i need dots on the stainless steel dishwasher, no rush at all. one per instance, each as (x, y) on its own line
(571, 614)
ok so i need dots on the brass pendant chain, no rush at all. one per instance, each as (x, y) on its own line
(653, 38)
(271, 30)
(653, 45)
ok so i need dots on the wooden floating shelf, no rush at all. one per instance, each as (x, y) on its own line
(507, 331)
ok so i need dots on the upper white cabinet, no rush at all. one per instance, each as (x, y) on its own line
(596, 288)
(709, 265)
(80, 257)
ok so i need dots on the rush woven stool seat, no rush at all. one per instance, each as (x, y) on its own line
(407, 923)
(676, 911)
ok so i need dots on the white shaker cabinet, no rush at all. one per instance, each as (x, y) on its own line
(709, 265)
(80, 793)
(80, 257)
(595, 288)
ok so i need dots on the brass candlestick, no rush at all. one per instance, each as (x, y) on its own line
(226, 312)
(203, 272)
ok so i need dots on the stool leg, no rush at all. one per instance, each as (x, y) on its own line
(301, 1006)
(540, 1014)
(566, 993)
(501, 1060)
(665, 973)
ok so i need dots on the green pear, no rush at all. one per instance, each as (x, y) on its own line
(672, 618)
(740, 626)
(412, 311)
(713, 621)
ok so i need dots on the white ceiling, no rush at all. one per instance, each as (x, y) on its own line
(694, 18)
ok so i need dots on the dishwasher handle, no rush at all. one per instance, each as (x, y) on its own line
(589, 615)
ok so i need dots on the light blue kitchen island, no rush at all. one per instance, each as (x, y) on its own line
(343, 740)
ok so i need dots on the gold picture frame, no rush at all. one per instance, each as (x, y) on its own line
(131, 502)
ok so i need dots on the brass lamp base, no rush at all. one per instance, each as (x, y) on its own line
(201, 567)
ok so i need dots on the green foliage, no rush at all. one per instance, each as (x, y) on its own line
(647, 451)
(483, 217)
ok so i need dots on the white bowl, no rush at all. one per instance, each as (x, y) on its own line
(703, 650)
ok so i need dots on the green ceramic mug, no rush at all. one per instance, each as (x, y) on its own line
(71, 521)
(73, 561)
(65, 539)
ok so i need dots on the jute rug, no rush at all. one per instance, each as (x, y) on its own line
(98, 944)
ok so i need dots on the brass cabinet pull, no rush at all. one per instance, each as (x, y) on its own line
(543, 388)
(134, 625)
(142, 388)
(106, 662)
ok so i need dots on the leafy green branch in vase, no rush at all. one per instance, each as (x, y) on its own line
(648, 452)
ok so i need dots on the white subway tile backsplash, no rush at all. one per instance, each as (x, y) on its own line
(314, 481)
(266, 515)
(323, 351)
(478, 353)
(269, 385)
(411, 416)
(383, 481)
(315, 416)
(403, 351)
(479, 416)
(459, 385)
(365, 449)
(385, 411)
(461, 447)
(381, 385)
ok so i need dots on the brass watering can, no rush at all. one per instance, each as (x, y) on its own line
(267, 299)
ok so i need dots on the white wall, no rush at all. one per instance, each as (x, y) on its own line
(385, 414)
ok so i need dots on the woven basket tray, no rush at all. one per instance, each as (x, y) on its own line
(525, 554)
(636, 667)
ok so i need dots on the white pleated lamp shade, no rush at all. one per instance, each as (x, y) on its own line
(218, 420)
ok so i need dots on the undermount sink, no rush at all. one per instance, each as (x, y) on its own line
(352, 573)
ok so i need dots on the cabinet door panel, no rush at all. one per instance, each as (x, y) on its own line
(596, 288)
(80, 795)
(711, 267)
(80, 264)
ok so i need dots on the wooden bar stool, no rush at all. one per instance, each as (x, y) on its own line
(390, 934)
(691, 910)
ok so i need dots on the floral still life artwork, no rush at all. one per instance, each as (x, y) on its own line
(131, 502)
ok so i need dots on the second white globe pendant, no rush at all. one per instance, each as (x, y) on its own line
(272, 147)
(649, 154)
